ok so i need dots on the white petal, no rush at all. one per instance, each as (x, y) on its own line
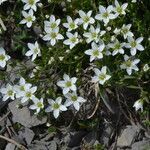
(76, 105)
(63, 108)
(139, 40)
(56, 113)
(65, 90)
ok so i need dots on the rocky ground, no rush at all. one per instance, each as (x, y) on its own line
(19, 127)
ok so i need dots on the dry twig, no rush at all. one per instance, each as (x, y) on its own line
(13, 142)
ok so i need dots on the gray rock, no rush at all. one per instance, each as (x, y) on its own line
(106, 133)
(27, 134)
(38, 145)
(128, 136)
(141, 145)
(10, 146)
(24, 117)
(52, 146)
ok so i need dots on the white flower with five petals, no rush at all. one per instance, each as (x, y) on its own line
(105, 14)
(30, 4)
(8, 92)
(21, 88)
(101, 75)
(125, 31)
(52, 35)
(3, 57)
(93, 34)
(38, 105)
(86, 19)
(34, 50)
(67, 84)
(72, 24)
(120, 10)
(134, 45)
(129, 64)
(53, 23)
(75, 100)
(55, 106)
(72, 39)
(96, 52)
(28, 94)
(28, 18)
(117, 47)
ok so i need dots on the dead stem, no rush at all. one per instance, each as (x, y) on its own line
(13, 142)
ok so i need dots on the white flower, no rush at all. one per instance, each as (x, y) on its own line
(34, 50)
(105, 14)
(95, 52)
(93, 34)
(134, 1)
(52, 24)
(28, 18)
(75, 100)
(101, 75)
(117, 31)
(30, 4)
(120, 10)
(28, 94)
(138, 105)
(1, 1)
(3, 57)
(67, 84)
(8, 92)
(73, 39)
(71, 25)
(134, 45)
(86, 19)
(146, 67)
(125, 30)
(129, 64)
(56, 106)
(52, 36)
(117, 47)
(21, 88)
(38, 105)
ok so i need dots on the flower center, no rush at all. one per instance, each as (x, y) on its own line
(86, 19)
(128, 63)
(2, 57)
(22, 88)
(119, 10)
(31, 2)
(72, 25)
(74, 98)
(125, 30)
(117, 46)
(10, 92)
(53, 35)
(39, 105)
(73, 39)
(96, 53)
(102, 76)
(28, 94)
(105, 15)
(29, 19)
(68, 84)
(36, 50)
(94, 35)
(133, 44)
(56, 105)
(53, 25)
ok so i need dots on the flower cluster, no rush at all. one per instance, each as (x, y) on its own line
(92, 30)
